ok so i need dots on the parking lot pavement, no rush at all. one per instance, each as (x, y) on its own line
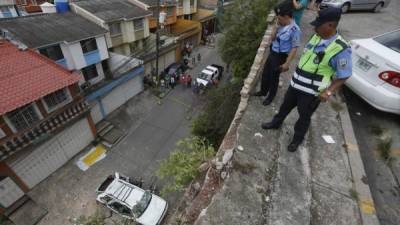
(383, 178)
(151, 133)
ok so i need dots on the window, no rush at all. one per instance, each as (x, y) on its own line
(4, 9)
(390, 40)
(138, 24)
(115, 29)
(124, 210)
(89, 45)
(170, 11)
(23, 117)
(53, 52)
(90, 72)
(2, 134)
(56, 98)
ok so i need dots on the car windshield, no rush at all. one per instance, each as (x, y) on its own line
(142, 204)
(203, 76)
(390, 40)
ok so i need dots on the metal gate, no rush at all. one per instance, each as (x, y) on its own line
(47, 158)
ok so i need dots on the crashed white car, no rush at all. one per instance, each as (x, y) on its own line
(130, 201)
(376, 71)
(209, 74)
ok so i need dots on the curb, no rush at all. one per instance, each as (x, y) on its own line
(365, 200)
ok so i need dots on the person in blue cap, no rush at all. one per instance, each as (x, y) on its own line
(285, 41)
(323, 68)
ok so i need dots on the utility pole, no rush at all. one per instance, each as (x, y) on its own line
(220, 12)
(158, 40)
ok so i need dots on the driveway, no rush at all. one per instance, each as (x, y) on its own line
(152, 130)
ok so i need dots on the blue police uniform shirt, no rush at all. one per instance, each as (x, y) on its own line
(287, 37)
(341, 63)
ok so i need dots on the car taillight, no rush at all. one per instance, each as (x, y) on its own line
(391, 77)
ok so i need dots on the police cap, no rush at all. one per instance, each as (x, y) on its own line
(330, 14)
(284, 9)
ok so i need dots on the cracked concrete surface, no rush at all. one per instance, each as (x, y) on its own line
(269, 185)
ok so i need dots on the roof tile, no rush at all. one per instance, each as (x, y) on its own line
(27, 76)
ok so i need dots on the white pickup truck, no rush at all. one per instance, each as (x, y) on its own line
(119, 195)
(209, 75)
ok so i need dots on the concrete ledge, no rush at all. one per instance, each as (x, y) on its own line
(365, 201)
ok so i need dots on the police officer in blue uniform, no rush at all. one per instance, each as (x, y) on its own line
(286, 40)
(324, 67)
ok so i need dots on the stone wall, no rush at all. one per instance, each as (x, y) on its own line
(200, 193)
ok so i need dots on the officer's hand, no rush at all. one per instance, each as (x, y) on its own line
(284, 67)
(323, 96)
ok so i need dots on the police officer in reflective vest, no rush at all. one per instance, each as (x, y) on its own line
(324, 66)
(286, 40)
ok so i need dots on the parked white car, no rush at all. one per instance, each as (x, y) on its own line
(130, 201)
(346, 5)
(209, 74)
(376, 71)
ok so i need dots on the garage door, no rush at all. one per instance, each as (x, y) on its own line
(51, 155)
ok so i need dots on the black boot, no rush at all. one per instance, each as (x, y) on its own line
(270, 125)
(267, 101)
(293, 146)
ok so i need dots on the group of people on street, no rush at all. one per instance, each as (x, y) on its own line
(168, 81)
(323, 67)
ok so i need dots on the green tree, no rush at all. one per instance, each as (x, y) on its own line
(217, 116)
(99, 219)
(182, 165)
(243, 26)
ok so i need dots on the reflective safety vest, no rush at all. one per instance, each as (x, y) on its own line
(314, 73)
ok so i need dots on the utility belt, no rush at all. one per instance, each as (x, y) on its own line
(281, 54)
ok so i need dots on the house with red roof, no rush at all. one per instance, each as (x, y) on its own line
(44, 120)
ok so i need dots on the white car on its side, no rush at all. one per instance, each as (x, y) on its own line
(376, 71)
(130, 201)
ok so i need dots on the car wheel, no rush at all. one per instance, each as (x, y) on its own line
(378, 7)
(346, 7)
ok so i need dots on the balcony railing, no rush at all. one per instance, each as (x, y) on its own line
(42, 130)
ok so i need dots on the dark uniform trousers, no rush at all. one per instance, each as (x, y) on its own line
(306, 106)
(270, 76)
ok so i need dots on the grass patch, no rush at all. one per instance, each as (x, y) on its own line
(384, 148)
(376, 130)
(354, 194)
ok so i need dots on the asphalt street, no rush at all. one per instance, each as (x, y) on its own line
(383, 178)
(152, 129)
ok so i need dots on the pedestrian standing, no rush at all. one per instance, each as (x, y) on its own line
(286, 40)
(172, 81)
(189, 81)
(199, 57)
(323, 68)
(317, 4)
(194, 60)
(299, 7)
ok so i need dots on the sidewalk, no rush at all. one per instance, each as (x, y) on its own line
(269, 185)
